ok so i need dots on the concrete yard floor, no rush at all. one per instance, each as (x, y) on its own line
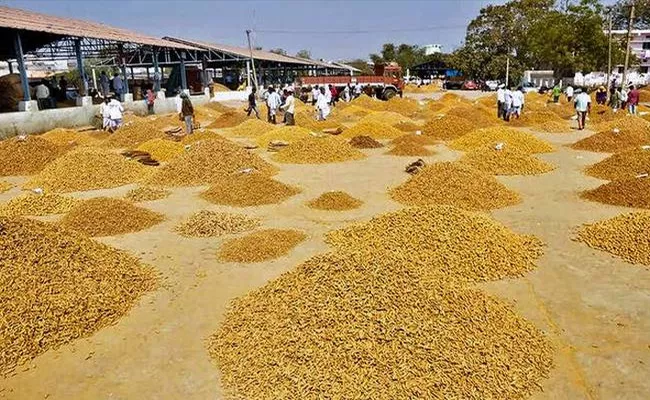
(595, 308)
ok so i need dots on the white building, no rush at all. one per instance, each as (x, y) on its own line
(37, 69)
(639, 46)
(432, 49)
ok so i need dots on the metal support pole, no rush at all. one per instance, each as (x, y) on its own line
(11, 67)
(80, 66)
(609, 52)
(183, 72)
(507, 70)
(248, 73)
(630, 25)
(20, 58)
(156, 72)
(120, 49)
(250, 49)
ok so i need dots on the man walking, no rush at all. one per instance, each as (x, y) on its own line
(583, 107)
(104, 84)
(289, 107)
(322, 105)
(632, 99)
(118, 86)
(501, 100)
(507, 105)
(273, 103)
(557, 91)
(517, 102)
(252, 104)
(314, 95)
(569, 93)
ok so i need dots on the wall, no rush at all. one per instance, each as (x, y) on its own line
(17, 123)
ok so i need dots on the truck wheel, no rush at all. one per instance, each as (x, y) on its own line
(389, 94)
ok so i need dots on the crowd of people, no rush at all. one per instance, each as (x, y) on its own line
(321, 97)
(511, 101)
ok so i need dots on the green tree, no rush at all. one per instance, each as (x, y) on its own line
(360, 65)
(535, 34)
(304, 54)
(405, 55)
(279, 51)
(621, 14)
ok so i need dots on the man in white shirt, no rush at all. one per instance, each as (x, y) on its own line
(507, 104)
(273, 103)
(328, 94)
(583, 107)
(501, 100)
(346, 93)
(115, 111)
(322, 105)
(289, 107)
(314, 95)
(104, 110)
(517, 102)
(43, 95)
(357, 90)
(569, 93)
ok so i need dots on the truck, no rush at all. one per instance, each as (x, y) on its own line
(385, 83)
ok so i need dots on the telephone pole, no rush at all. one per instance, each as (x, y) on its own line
(630, 25)
(250, 49)
(609, 51)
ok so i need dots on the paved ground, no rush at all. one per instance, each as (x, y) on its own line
(595, 308)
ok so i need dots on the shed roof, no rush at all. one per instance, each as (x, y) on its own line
(244, 53)
(54, 28)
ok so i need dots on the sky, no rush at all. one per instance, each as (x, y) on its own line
(331, 29)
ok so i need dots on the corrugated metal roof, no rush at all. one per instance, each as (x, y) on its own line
(257, 54)
(239, 51)
(14, 18)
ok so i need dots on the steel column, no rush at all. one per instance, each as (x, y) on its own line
(183, 72)
(120, 50)
(11, 67)
(80, 66)
(20, 58)
(156, 71)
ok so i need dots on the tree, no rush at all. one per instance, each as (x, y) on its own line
(360, 65)
(621, 14)
(279, 51)
(405, 55)
(535, 34)
(304, 54)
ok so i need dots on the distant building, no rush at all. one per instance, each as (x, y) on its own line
(36, 68)
(639, 46)
(432, 49)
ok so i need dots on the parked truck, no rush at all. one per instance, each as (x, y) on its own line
(385, 83)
